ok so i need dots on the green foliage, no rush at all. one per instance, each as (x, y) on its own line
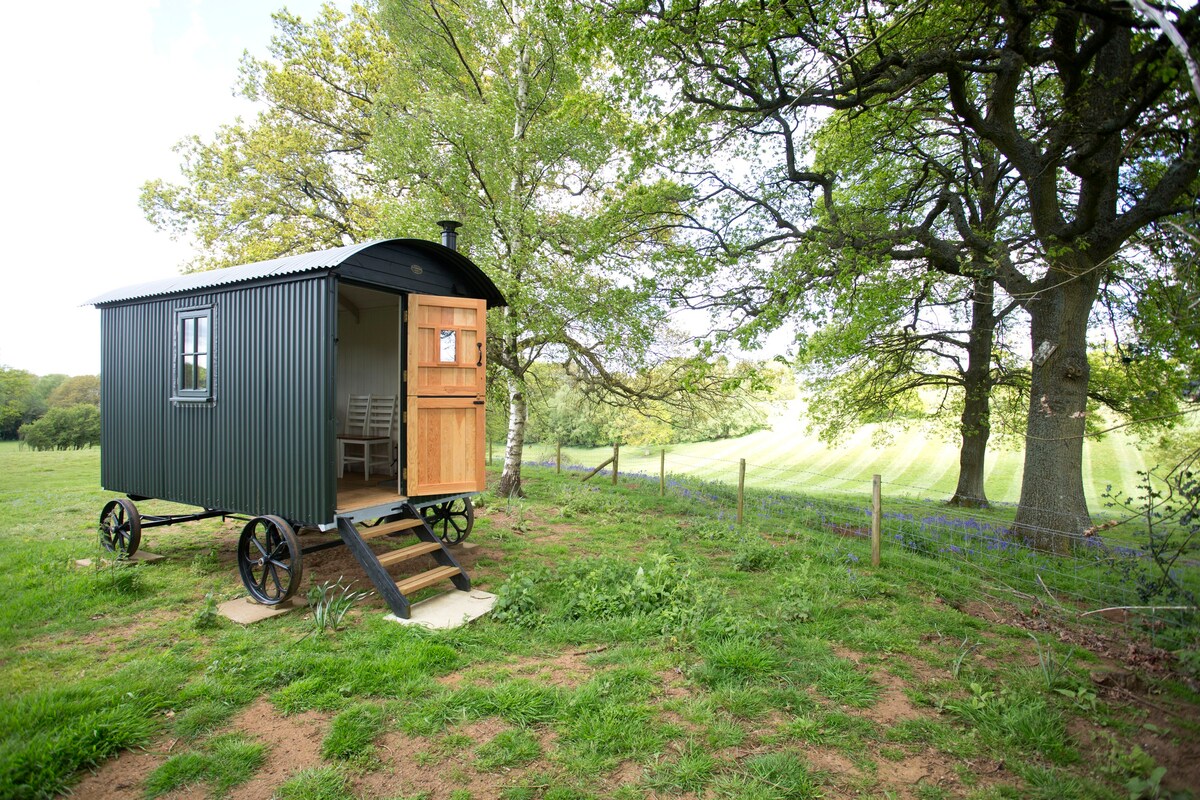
(1167, 515)
(782, 775)
(690, 708)
(295, 178)
(758, 556)
(690, 771)
(736, 662)
(207, 617)
(1013, 719)
(352, 733)
(47, 735)
(662, 592)
(577, 414)
(117, 575)
(222, 763)
(69, 428)
(315, 783)
(330, 602)
(19, 401)
(78, 390)
(510, 748)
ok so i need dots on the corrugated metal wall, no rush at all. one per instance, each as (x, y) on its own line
(264, 445)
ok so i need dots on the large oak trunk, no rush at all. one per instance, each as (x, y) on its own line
(1053, 511)
(977, 388)
(510, 478)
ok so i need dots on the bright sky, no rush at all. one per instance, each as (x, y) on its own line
(97, 94)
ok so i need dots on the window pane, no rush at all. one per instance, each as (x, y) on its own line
(189, 335)
(202, 334)
(449, 346)
(202, 372)
(187, 381)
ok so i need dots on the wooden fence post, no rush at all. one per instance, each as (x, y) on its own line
(876, 518)
(616, 461)
(558, 458)
(741, 489)
(662, 473)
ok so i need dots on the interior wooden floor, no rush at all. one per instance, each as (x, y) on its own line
(353, 492)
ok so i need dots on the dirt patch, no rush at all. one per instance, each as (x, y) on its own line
(293, 743)
(893, 705)
(567, 670)
(627, 773)
(415, 765)
(120, 778)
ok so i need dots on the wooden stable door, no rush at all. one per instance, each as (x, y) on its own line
(445, 395)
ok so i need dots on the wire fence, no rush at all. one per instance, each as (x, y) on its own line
(1114, 576)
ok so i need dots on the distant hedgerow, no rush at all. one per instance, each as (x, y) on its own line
(72, 428)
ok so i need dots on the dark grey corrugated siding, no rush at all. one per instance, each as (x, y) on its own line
(265, 446)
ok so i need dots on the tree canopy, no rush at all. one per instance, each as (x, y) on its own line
(385, 120)
(1083, 109)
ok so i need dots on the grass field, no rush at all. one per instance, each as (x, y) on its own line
(643, 647)
(914, 463)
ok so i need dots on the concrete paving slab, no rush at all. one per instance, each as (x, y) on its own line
(140, 555)
(245, 611)
(452, 609)
(468, 546)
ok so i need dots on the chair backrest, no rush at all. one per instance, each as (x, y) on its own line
(358, 409)
(381, 415)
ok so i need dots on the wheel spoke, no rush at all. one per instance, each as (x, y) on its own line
(275, 578)
(274, 554)
(454, 521)
(261, 550)
(262, 580)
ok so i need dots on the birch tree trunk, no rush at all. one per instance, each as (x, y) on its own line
(514, 448)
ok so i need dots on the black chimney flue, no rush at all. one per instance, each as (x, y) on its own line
(449, 237)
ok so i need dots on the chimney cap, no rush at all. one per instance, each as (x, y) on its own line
(449, 225)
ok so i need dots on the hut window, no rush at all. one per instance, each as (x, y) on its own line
(193, 332)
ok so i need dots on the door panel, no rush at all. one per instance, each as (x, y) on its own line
(446, 338)
(445, 395)
(445, 445)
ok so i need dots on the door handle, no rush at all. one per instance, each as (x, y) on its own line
(479, 345)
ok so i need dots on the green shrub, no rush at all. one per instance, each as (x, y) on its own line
(664, 591)
(72, 428)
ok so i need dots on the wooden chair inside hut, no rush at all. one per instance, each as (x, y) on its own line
(369, 431)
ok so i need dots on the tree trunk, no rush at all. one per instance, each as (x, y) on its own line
(1053, 511)
(975, 424)
(510, 478)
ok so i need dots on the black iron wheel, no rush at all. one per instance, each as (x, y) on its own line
(120, 527)
(269, 560)
(451, 521)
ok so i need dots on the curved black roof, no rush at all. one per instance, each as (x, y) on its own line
(413, 265)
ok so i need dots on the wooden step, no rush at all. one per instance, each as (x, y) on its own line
(417, 582)
(389, 527)
(405, 553)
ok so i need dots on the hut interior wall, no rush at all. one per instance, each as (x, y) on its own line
(368, 350)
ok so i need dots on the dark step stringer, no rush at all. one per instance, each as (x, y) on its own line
(392, 591)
